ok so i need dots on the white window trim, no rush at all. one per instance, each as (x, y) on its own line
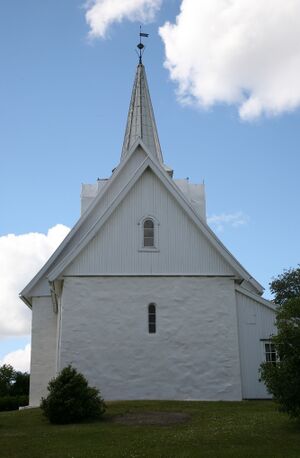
(264, 342)
(149, 249)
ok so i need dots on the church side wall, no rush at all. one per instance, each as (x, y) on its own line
(43, 348)
(193, 355)
(256, 323)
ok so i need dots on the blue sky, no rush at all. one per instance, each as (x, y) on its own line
(64, 101)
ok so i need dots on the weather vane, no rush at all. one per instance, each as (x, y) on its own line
(140, 45)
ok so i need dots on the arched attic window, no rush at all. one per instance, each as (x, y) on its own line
(148, 233)
(152, 318)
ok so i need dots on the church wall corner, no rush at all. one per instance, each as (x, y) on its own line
(43, 348)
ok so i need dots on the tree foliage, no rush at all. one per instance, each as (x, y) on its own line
(20, 387)
(286, 285)
(71, 399)
(282, 379)
(7, 374)
(14, 388)
(12, 382)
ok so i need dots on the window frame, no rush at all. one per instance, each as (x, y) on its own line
(142, 246)
(270, 353)
(152, 328)
(148, 233)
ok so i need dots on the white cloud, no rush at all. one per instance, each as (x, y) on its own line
(21, 256)
(19, 359)
(101, 14)
(227, 219)
(241, 52)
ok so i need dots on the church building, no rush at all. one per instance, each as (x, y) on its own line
(141, 296)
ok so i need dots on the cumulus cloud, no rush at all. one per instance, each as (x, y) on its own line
(241, 52)
(101, 14)
(21, 258)
(235, 220)
(19, 359)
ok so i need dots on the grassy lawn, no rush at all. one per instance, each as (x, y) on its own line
(214, 429)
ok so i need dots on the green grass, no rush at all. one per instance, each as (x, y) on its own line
(216, 429)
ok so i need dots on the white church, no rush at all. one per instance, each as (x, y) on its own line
(141, 296)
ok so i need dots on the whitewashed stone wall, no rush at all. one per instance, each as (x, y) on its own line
(43, 348)
(193, 355)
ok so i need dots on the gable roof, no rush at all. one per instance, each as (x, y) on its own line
(83, 222)
(178, 195)
(140, 136)
(68, 251)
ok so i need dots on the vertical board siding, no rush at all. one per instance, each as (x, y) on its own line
(256, 322)
(116, 249)
(128, 171)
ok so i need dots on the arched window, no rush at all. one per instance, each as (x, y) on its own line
(148, 233)
(152, 318)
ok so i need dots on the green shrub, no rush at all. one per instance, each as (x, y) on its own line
(283, 378)
(70, 399)
(13, 402)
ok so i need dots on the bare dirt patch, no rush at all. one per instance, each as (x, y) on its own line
(152, 418)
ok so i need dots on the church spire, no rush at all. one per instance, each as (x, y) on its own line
(141, 121)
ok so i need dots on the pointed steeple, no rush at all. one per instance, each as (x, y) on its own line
(141, 121)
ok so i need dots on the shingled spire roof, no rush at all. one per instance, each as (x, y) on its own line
(141, 121)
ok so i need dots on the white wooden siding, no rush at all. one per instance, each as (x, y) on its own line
(42, 287)
(182, 249)
(256, 322)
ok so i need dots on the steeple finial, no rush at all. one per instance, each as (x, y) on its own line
(141, 46)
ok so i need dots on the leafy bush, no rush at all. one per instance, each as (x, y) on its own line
(70, 399)
(283, 378)
(13, 402)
